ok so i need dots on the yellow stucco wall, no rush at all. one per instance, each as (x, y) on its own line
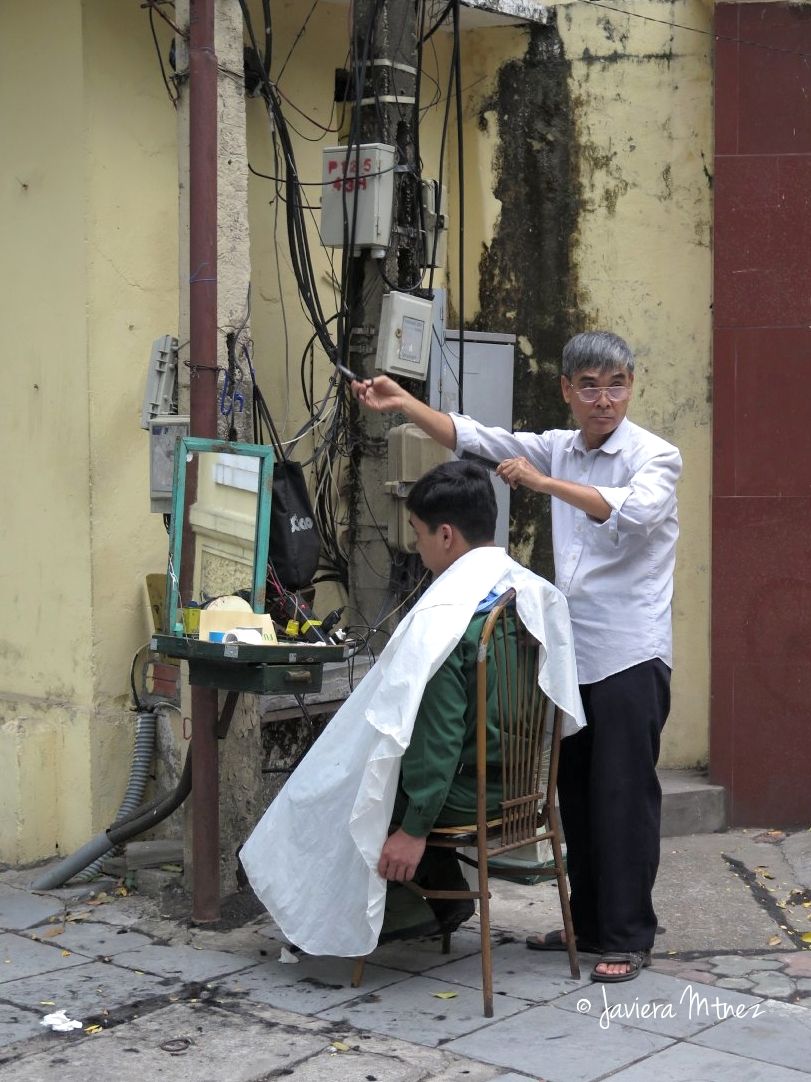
(89, 191)
(89, 279)
(640, 256)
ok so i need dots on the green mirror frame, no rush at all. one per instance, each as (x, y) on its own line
(190, 445)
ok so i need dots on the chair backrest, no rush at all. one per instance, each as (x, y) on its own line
(528, 722)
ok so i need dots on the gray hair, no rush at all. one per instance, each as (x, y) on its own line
(600, 350)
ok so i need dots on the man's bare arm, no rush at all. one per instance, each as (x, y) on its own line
(384, 395)
(518, 471)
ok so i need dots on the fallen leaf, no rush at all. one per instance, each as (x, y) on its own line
(52, 932)
(92, 1029)
(806, 937)
(445, 995)
(775, 941)
(339, 1046)
(66, 954)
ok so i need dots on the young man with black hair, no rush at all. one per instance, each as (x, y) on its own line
(614, 531)
(452, 509)
(397, 758)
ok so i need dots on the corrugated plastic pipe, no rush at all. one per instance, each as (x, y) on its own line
(86, 862)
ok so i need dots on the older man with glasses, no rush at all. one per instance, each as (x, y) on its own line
(614, 531)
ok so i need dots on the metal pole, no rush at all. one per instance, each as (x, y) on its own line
(203, 417)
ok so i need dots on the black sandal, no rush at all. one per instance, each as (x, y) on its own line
(553, 941)
(635, 960)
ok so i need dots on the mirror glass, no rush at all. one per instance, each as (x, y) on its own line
(220, 525)
(222, 521)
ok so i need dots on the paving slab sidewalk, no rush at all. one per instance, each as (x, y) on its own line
(726, 999)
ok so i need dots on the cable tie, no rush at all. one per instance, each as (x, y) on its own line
(384, 62)
(389, 99)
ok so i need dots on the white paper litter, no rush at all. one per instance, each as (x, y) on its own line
(60, 1022)
(288, 956)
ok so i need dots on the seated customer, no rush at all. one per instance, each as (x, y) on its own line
(322, 854)
(452, 509)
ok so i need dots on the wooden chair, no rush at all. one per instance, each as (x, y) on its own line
(530, 727)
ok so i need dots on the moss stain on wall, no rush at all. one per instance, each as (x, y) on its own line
(527, 281)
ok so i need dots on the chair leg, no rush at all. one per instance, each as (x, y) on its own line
(563, 891)
(487, 954)
(357, 972)
(446, 942)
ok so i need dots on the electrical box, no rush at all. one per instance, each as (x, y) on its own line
(164, 432)
(404, 339)
(160, 395)
(434, 223)
(411, 453)
(487, 390)
(359, 177)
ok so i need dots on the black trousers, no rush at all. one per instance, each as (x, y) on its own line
(610, 805)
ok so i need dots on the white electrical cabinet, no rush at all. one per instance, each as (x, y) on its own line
(487, 391)
(404, 339)
(164, 432)
(357, 179)
(411, 453)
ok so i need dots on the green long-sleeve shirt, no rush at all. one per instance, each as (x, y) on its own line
(431, 792)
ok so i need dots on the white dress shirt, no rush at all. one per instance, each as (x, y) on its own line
(617, 575)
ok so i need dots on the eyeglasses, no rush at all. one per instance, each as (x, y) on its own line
(590, 395)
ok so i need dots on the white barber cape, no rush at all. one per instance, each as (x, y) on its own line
(312, 858)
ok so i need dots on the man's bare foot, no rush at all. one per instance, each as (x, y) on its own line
(620, 966)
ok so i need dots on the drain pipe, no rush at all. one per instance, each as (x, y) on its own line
(145, 737)
(136, 822)
(203, 419)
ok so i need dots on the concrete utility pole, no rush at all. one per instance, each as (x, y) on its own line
(227, 791)
(383, 113)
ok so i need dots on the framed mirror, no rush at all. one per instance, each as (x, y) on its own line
(220, 528)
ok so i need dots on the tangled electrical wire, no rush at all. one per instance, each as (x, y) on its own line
(333, 441)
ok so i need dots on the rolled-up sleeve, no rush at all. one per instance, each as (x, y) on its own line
(647, 500)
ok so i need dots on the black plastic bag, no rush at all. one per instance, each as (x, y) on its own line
(295, 544)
